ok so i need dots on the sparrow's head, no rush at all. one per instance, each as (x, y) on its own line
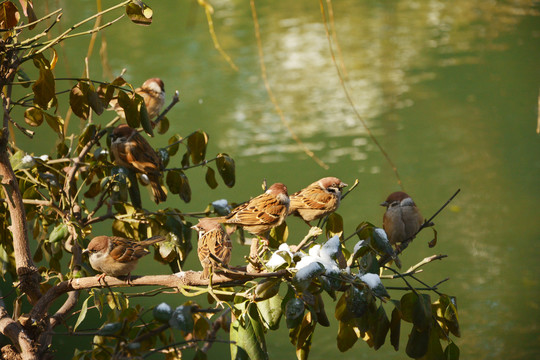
(331, 184)
(154, 84)
(277, 189)
(396, 198)
(97, 245)
(206, 224)
(121, 133)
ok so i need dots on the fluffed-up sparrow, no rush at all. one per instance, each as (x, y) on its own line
(116, 256)
(132, 151)
(402, 219)
(213, 240)
(319, 199)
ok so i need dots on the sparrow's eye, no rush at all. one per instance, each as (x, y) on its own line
(394, 204)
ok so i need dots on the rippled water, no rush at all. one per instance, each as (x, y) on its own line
(450, 89)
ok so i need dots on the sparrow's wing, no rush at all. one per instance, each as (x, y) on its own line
(141, 155)
(124, 251)
(262, 210)
(311, 198)
(220, 245)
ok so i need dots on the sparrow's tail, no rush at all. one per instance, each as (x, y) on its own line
(157, 190)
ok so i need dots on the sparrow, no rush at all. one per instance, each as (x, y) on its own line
(319, 199)
(402, 219)
(132, 151)
(116, 256)
(261, 213)
(153, 93)
(212, 241)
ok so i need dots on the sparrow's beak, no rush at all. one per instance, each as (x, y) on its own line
(194, 227)
(343, 185)
(385, 204)
(85, 251)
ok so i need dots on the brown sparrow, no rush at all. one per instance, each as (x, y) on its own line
(317, 200)
(116, 256)
(153, 93)
(212, 241)
(261, 213)
(132, 151)
(402, 219)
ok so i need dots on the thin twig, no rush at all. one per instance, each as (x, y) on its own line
(176, 98)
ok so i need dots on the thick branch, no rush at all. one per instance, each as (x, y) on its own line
(26, 270)
(178, 280)
(16, 333)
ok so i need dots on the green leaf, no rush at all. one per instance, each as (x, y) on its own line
(178, 183)
(78, 100)
(163, 125)
(109, 329)
(44, 88)
(94, 101)
(451, 316)
(59, 233)
(131, 110)
(357, 301)
(143, 114)
(197, 143)
(422, 312)
(182, 319)
(82, 314)
(162, 312)
(33, 116)
(451, 352)
(435, 350)
(139, 13)
(379, 328)
(346, 336)
(334, 225)
(211, 178)
(226, 168)
(173, 181)
(20, 160)
(270, 311)
(173, 149)
(278, 235)
(267, 288)
(418, 343)
(293, 312)
(395, 328)
(249, 337)
(56, 123)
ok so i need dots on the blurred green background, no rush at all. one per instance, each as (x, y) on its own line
(449, 88)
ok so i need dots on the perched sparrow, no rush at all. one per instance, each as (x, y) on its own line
(261, 213)
(153, 93)
(212, 241)
(116, 256)
(402, 219)
(132, 151)
(317, 200)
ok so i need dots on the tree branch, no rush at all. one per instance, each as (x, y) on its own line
(13, 330)
(178, 280)
(26, 270)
